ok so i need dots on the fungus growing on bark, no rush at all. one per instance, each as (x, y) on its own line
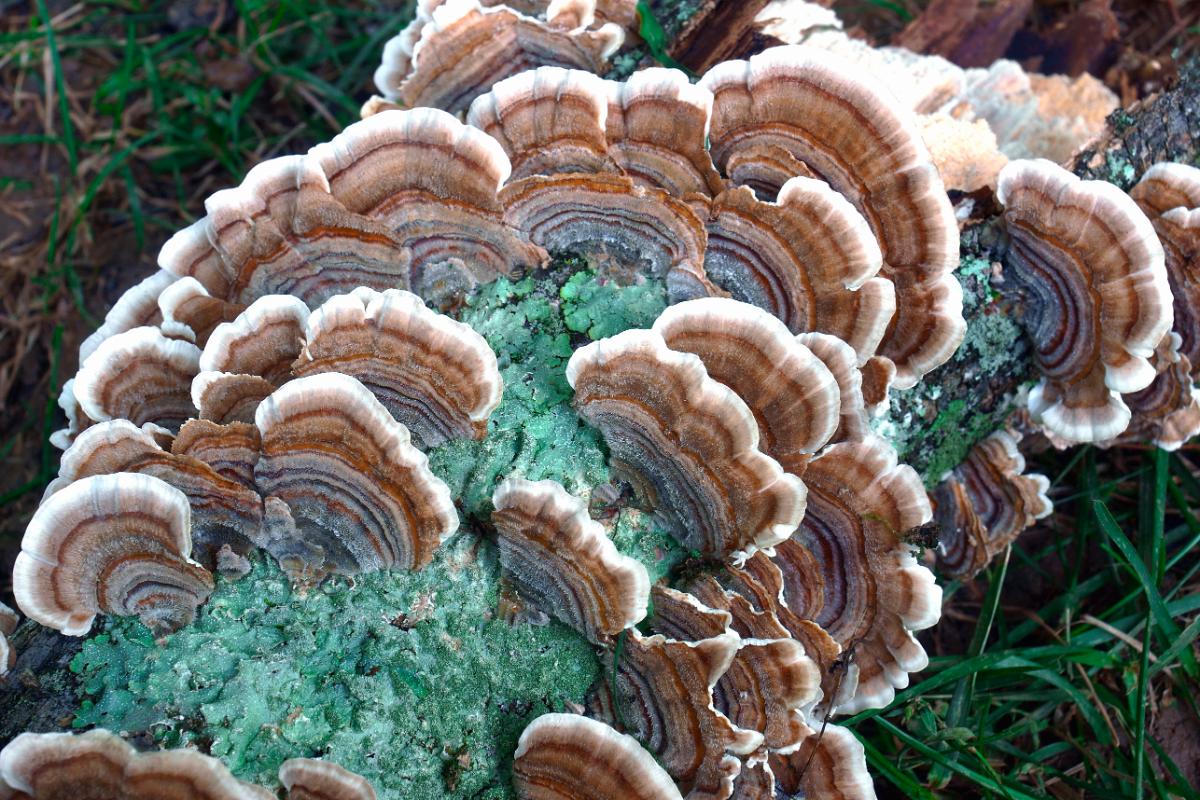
(792, 395)
(315, 779)
(623, 227)
(791, 111)
(141, 376)
(190, 312)
(345, 490)
(8, 626)
(117, 544)
(1091, 273)
(759, 610)
(770, 681)
(232, 449)
(436, 376)
(756, 781)
(263, 340)
(985, 503)
(840, 359)
(862, 504)
(569, 757)
(681, 615)
(136, 308)
(687, 442)
(549, 120)
(830, 763)
(564, 562)
(657, 127)
(225, 512)
(809, 258)
(98, 764)
(455, 50)
(404, 199)
(1167, 412)
(664, 694)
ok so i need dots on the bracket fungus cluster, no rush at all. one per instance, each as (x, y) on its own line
(985, 503)
(1093, 277)
(455, 50)
(281, 381)
(101, 765)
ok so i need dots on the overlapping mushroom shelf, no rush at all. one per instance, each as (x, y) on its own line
(279, 384)
(100, 764)
(850, 235)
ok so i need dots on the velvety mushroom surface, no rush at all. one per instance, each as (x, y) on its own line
(431, 365)
(1092, 272)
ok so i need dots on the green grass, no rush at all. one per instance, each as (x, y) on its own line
(1054, 699)
(149, 116)
(1045, 694)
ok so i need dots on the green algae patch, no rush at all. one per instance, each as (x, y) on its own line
(588, 305)
(534, 326)
(410, 679)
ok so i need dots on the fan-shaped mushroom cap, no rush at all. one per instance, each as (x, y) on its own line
(403, 199)
(611, 219)
(548, 120)
(346, 490)
(657, 126)
(756, 781)
(97, 764)
(248, 358)
(768, 685)
(793, 396)
(224, 511)
(681, 615)
(315, 779)
(76, 419)
(831, 763)
(861, 505)
(688, 437)
(759, 610)
(464, 49)
(190, 312)
(1168, 185)
(1167, 412)
(137, 308)
(432, 181)
(1097, 298)
(226, 397)
(985, 503)
(8, 626)
(231, 449)
(563, 561)
(436, 376)
(280, 232)
(54, 766)
(769, 682)
(112, 543)
(839, 358)
(664, 690)
(568, 757)
(1170, 196)
(809, 258)
(797, 106)
(139, 375)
